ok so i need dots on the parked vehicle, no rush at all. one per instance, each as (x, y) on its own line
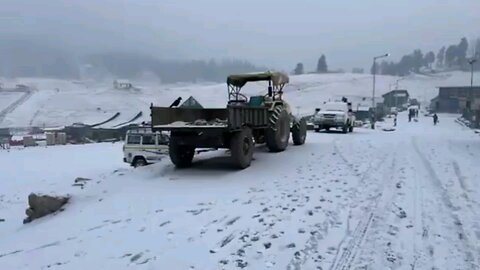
(244, 122)
(338, 115)
(143, 147)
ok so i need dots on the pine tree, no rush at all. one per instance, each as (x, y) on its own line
(450, 56)
(462, 53)
(298, 69)
(441, 57)
(417, 60)
(429, 59)
(322, 65)
(477, 49)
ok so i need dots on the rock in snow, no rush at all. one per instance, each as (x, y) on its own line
(42, 205)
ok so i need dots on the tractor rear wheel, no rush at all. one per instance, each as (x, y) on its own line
(241, 148)
(278, 134)
(299, 132)
(180, 155)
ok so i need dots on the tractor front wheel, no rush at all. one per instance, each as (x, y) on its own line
(277, 135)
(299, 132)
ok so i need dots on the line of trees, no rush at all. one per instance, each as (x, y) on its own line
(322, 66)
(451, 57)
(21, 58)
(132, 66)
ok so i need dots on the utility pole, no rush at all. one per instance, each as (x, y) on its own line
(373, 90)
(472, 95)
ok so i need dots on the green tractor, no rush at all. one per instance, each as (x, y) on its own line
(242, 124)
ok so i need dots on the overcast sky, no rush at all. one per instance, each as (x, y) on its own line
(267, 32)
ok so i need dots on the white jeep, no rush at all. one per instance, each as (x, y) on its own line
(143, 147)
(338, 115)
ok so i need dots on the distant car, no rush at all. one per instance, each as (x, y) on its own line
(338, 115)
(143, 147)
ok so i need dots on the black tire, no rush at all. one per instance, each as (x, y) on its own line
(139, 162)
(317, 130)
(350, 129)
(277, 137)
(241, 148)
(180, 155)
(327, 129)
(299, 132)
(345, 129)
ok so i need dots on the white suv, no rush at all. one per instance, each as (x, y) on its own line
(143, 147)
(337, 115)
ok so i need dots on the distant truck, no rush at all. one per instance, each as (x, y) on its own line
(242, 124)
(338, 115)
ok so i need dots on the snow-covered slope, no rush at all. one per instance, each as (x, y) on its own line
(406, 199)
(59, 102)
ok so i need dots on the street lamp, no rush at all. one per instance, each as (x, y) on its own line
(396, 83)
(471, 62)
(373, 92)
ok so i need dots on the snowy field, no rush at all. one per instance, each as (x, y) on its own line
(60, 102)
(407, 199)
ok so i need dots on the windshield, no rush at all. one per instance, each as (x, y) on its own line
(339, 107)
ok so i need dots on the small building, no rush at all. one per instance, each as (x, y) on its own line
(122, 84)
(395, 98)
(5, 138)
(363, 113)
(455, 99)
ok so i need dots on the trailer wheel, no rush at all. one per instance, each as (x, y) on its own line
(139, 162)
(299, 132)
(180, 155)
(241, 147)
(277, 135)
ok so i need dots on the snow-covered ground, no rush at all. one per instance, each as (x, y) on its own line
(60, 102)
(406, 199)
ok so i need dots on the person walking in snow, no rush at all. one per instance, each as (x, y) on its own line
(435, 119)
(395, 121)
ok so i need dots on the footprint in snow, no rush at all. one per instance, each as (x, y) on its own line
(136, 257)
(164, 223)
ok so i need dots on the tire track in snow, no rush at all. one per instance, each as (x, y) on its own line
(445, 199)
(322, 229)
(27, 94)
(347, 253)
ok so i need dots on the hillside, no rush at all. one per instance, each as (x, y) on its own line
(61, 102)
